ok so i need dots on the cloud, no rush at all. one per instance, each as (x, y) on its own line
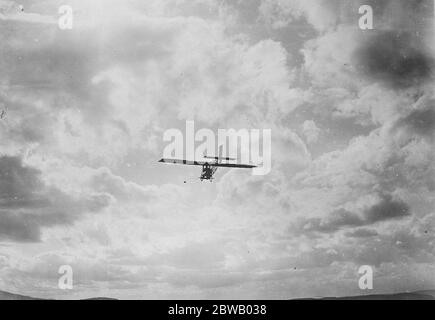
(396, 58)
(400, 14)
(27, 204)
(420, 122)
(325, 15)
(330, 64)
(192, 256)
(321, 14)
(311, 131)
(362, 233)
(86, 113)
(385, 210)
(373, 105)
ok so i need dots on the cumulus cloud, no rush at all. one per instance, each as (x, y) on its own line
(322, 15)
(362, 233)
(27, 204)
(396, 58)
(87, 109)
(420, 121)
(386, 209)
(311, 131)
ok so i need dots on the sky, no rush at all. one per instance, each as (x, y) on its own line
(352, 117)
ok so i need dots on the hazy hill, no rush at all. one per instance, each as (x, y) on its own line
(419, 295)
(11, 296)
